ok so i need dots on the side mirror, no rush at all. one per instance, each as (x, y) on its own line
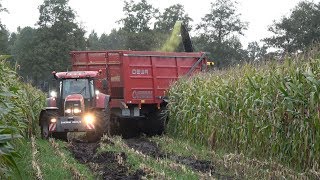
(104, 84)
(45, 87)
(53, 88)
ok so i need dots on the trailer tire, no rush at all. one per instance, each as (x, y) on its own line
(156, 121)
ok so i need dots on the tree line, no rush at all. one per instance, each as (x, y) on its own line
(44, 48)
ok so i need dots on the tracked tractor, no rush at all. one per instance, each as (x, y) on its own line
(75, 106)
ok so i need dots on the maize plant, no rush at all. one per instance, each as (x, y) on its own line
(267, 111)
(19, 102)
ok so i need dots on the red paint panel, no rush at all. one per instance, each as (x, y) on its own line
(133, 76)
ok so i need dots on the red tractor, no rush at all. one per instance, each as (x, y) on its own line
(75, 106)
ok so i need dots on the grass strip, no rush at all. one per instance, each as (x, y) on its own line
(74, 171)
(35, 165)
(154, 167)
(233, 164)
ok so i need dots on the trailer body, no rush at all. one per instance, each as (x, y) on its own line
(138, 81)
(136, 77)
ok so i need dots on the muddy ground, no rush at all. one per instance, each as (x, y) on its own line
(111, 165)
(106, 165)
(150, 148)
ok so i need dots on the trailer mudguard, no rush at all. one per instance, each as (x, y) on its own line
(102, 101)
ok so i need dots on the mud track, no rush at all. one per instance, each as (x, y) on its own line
(150, 148)
(106, 165)
(112, 165)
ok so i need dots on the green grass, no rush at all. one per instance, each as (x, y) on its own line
(24, 163)
(83, 169)
(227, 164)
(50, 163)
(182, 147)
(161, 168)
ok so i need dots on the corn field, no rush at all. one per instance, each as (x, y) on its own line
(270, 111)
(20, 105)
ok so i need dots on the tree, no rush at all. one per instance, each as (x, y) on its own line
(23, 51)
(57, 35)
(2, 9)
(298, 31)
(138, 16)
(4, 38)
(136, 32)
(93, 41)
(255, 52)
(4, 35)
(117, 39)
(219, 31)
(170, 16)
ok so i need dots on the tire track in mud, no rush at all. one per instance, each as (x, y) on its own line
(150, 148)
(106, 165)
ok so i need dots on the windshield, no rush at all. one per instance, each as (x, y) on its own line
(76, 86)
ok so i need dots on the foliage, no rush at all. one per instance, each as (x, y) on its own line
(93, 41)
(115, 40)
(270, 111)
(42, 50)
(24, 52)
(20, 105)
(138, 16)
(170, 16)
(4, 38)
(298, 31)
(2, 9)
(255, 52)
(219, 32)
(4, 34)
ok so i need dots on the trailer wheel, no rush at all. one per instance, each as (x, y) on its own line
(156, 121)
(44, 130)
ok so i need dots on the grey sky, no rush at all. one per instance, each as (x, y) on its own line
(101, 15)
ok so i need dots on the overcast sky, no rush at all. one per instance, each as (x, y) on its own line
(101, 15)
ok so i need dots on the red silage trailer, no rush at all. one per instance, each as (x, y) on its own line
(137, 81)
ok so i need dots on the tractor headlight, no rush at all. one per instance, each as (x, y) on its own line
(76, 111)
(68, 111)
(89, 118)
(53, 94)
(53, 120)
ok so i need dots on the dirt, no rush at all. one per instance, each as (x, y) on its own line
(152, 149)
(112, 165)
(106, 165)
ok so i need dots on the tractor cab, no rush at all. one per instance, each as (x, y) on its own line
(76, 92)
(75, 106)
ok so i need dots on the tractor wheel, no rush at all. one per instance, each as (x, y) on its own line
(101, 126)
(44, 130)
(93, 136)
(60, 135)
